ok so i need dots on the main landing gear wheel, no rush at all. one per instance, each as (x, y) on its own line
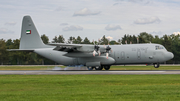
(156, 65)
(90, 68)
(98, 67)
(106, 67)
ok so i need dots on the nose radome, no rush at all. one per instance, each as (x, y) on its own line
(170, 55)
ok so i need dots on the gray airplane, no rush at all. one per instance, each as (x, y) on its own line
(92, 56)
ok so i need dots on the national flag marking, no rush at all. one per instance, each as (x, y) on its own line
(28, 31)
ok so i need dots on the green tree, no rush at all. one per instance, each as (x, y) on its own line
(130, 39)
(3, 52)
(71, 39)
(86, 41)
(74, 40)
(9, 43)
(79, 40)
(157, 40)
(45, 39)
(61, 39)
(55, 40)
(119, 42)
(134, 39)
(104, 40)
(124, 39)
(113, 42)
(15, 57)
(145, 37)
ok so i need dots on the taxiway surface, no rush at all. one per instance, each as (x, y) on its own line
(62, 72)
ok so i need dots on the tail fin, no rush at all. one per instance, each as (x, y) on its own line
(30, 38)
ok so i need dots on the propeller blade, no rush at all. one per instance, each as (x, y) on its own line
(107, 54)
(99, 52)
(98, 41)
(94, 53)
(93, 42)
(96, 49)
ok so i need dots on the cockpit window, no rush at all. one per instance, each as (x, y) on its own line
(159, 47)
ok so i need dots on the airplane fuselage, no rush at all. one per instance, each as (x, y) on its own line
(120, 54)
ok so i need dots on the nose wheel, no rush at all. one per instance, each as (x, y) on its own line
(156, 65)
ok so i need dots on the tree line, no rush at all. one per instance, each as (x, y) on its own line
(170, 42)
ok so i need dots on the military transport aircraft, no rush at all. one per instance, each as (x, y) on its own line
(92, 56)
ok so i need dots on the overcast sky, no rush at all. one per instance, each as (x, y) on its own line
(91, 18)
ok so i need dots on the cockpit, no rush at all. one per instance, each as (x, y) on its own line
(159, 47)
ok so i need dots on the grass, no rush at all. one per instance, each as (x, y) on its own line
(135, 67)
(89, 87)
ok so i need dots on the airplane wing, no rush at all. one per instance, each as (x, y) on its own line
(77, 50)
(72, 47)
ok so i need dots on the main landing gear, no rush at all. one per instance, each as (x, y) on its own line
(107, 67)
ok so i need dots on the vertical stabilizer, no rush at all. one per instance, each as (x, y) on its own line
(30, 38)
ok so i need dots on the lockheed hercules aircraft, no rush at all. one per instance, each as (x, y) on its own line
(92, 56)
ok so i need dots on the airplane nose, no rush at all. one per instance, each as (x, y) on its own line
(170, 55)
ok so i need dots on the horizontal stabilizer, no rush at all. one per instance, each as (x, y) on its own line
(25, 50)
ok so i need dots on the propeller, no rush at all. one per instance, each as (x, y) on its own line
(107, 51)
(96, 49)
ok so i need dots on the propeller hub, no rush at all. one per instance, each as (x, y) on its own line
(96, 50)
(108, 49)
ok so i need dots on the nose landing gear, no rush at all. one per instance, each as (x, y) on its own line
(156, 65)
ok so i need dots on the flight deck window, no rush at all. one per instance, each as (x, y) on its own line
(159, 47)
